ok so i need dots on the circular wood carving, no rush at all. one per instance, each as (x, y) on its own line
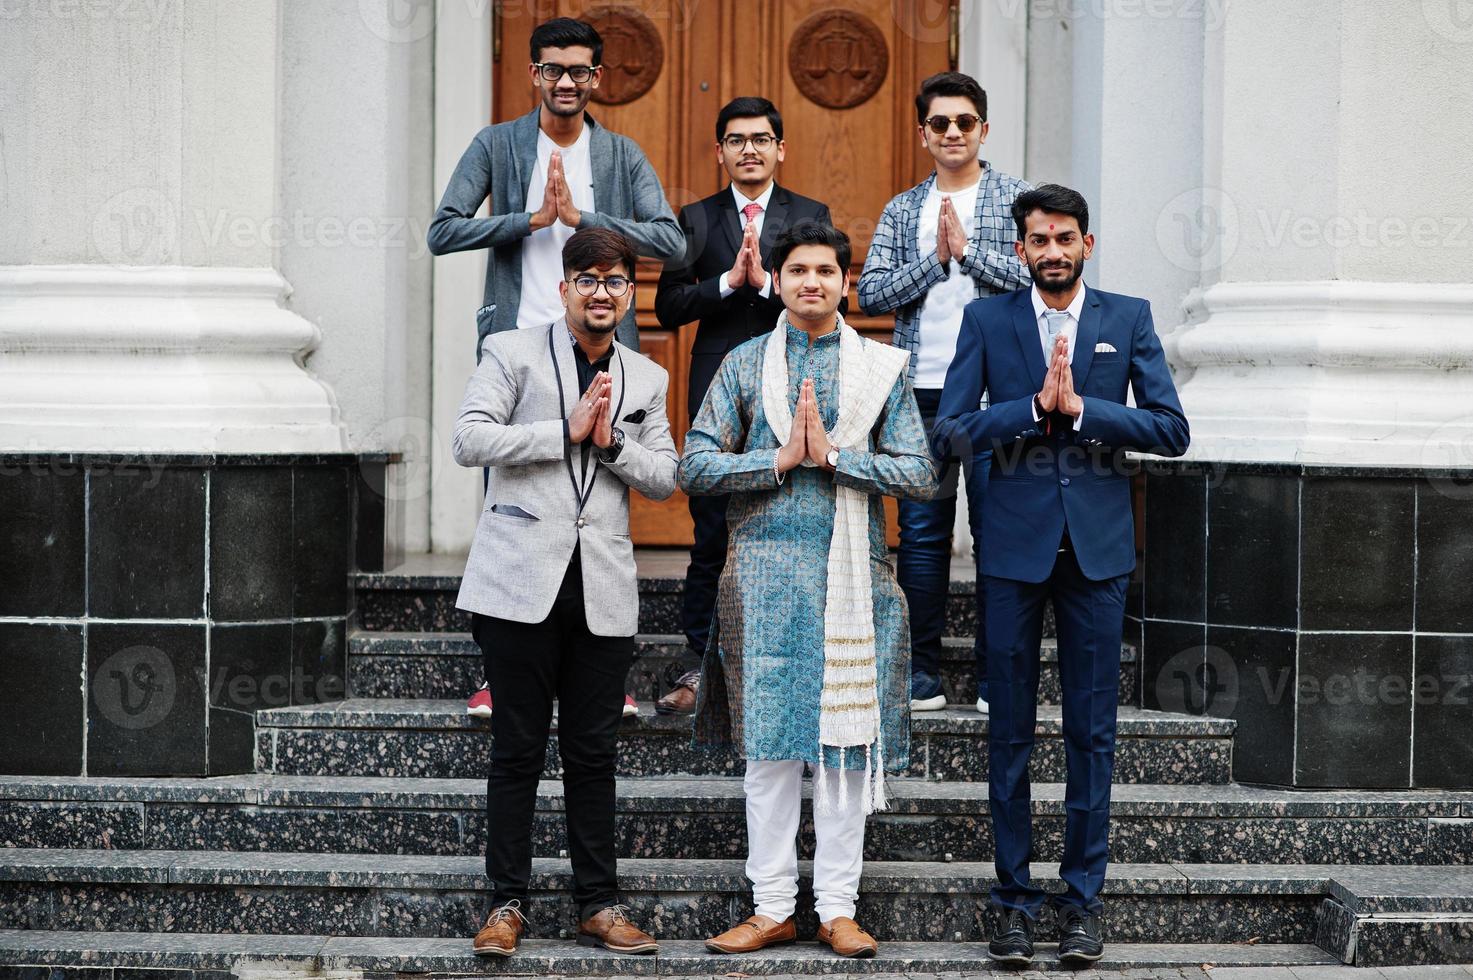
(838, 58)
(634, 54)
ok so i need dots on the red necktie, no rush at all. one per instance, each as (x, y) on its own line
(751, 211)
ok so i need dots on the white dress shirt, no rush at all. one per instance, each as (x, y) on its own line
(941, 311)
(542, 252)
(1070, 330)
(742, 201)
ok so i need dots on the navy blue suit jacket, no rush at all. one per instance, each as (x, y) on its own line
(1046, 477)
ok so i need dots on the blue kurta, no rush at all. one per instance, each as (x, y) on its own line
(763, 672)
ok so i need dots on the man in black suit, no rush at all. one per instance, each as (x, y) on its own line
(723, 282)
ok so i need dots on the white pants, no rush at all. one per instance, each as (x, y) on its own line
(774, 800)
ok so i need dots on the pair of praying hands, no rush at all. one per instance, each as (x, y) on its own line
(1058, 392)
(592, 415)
(807, 440)
(951, 237)
(557, 198)
(747, 269)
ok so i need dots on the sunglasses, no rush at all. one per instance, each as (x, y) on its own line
(966, 122)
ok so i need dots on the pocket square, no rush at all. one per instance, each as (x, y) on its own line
(1105, 347)
(635, 417)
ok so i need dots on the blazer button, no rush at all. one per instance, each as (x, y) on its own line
(583, 521)
(1064, 482)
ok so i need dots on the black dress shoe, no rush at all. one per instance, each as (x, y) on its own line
(1079, 936)
(1012, 938)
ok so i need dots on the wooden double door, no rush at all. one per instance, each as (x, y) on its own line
(843, 76)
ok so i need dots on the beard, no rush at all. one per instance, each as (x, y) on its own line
(550, 102)
(1036, 269)
(584, 323)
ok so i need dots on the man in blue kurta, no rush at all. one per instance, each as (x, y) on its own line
(807, 428)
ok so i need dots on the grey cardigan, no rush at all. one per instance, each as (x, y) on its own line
(499, 163)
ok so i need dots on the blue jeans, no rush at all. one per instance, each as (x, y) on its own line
(923, 563)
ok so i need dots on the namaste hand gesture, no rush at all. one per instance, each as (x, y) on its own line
(591, 414)
(747, 269)
(807, 440)
(557, 199)
(1058, 384)
(951, 239)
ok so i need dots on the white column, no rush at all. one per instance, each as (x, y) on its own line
(462, 106)
(140, 307)
(1336, 326)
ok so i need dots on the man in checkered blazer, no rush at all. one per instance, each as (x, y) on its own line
(940, 245)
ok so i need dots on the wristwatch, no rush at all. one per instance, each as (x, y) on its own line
(611, 453)
(831, 459)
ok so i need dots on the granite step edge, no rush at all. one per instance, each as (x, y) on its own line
(205, 951)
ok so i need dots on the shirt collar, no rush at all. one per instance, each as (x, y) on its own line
(743, 200)
(1076, 306)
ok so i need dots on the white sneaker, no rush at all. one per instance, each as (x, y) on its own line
(928, 704)
(981, 706)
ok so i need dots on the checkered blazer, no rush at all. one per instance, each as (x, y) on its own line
(897, 277)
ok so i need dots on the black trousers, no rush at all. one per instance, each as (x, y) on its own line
(707, 558)
(528, 665)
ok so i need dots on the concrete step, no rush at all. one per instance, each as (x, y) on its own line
(445, 897)
(52, 953)
(703, 818)
(419, 595)
(428, 664)
(389, 737)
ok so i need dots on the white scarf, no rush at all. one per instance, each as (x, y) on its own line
(849, 711)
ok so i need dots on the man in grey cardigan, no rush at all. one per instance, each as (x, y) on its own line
(549, 173)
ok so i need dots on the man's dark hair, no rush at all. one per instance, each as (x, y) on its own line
(745, 107)
(950, 83)
(811, 233)
(1053, 199)
(597, 248)
(565, 32)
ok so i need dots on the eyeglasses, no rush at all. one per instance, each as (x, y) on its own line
(588, 285)
(966, 122)
(762, 142)
(552, 73)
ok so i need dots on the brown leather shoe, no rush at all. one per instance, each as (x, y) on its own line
(756, 933)
(844, 937)
(503, 928)
(612, 929)
(682, 697)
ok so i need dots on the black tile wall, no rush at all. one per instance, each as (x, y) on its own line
(251, 543)
(322, 519)
(1355, 729)
(1442, 749)
(146, 553)
(1444, 558)
(43, 540)
(1358, 546)
(1175, 579)
(1255, 681)
(42, 700)
(146, 714)
(1253, 551)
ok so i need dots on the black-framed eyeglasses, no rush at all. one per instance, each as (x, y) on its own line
(762, 142)
(552, 73)
(588, 285)
(966, 122)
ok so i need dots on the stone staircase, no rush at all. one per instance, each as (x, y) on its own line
(355, 845)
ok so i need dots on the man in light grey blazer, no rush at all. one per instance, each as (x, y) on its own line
(547, 174)
(569, 420)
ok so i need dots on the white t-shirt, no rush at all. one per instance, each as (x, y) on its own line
(941, 313)
(542, 252)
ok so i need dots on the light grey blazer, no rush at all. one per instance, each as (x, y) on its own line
(512, 420)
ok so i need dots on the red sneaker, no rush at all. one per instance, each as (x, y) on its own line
(630, 708)
(479, 705)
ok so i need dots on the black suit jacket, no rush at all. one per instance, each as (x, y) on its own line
(690, 287)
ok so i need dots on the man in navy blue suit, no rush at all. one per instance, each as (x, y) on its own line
(1055, 363)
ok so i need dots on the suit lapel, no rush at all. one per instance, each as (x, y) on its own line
(1025, 324)
(1086, 338)
(567, 370)
(774, 222)
(730, 220)
(601, 159)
